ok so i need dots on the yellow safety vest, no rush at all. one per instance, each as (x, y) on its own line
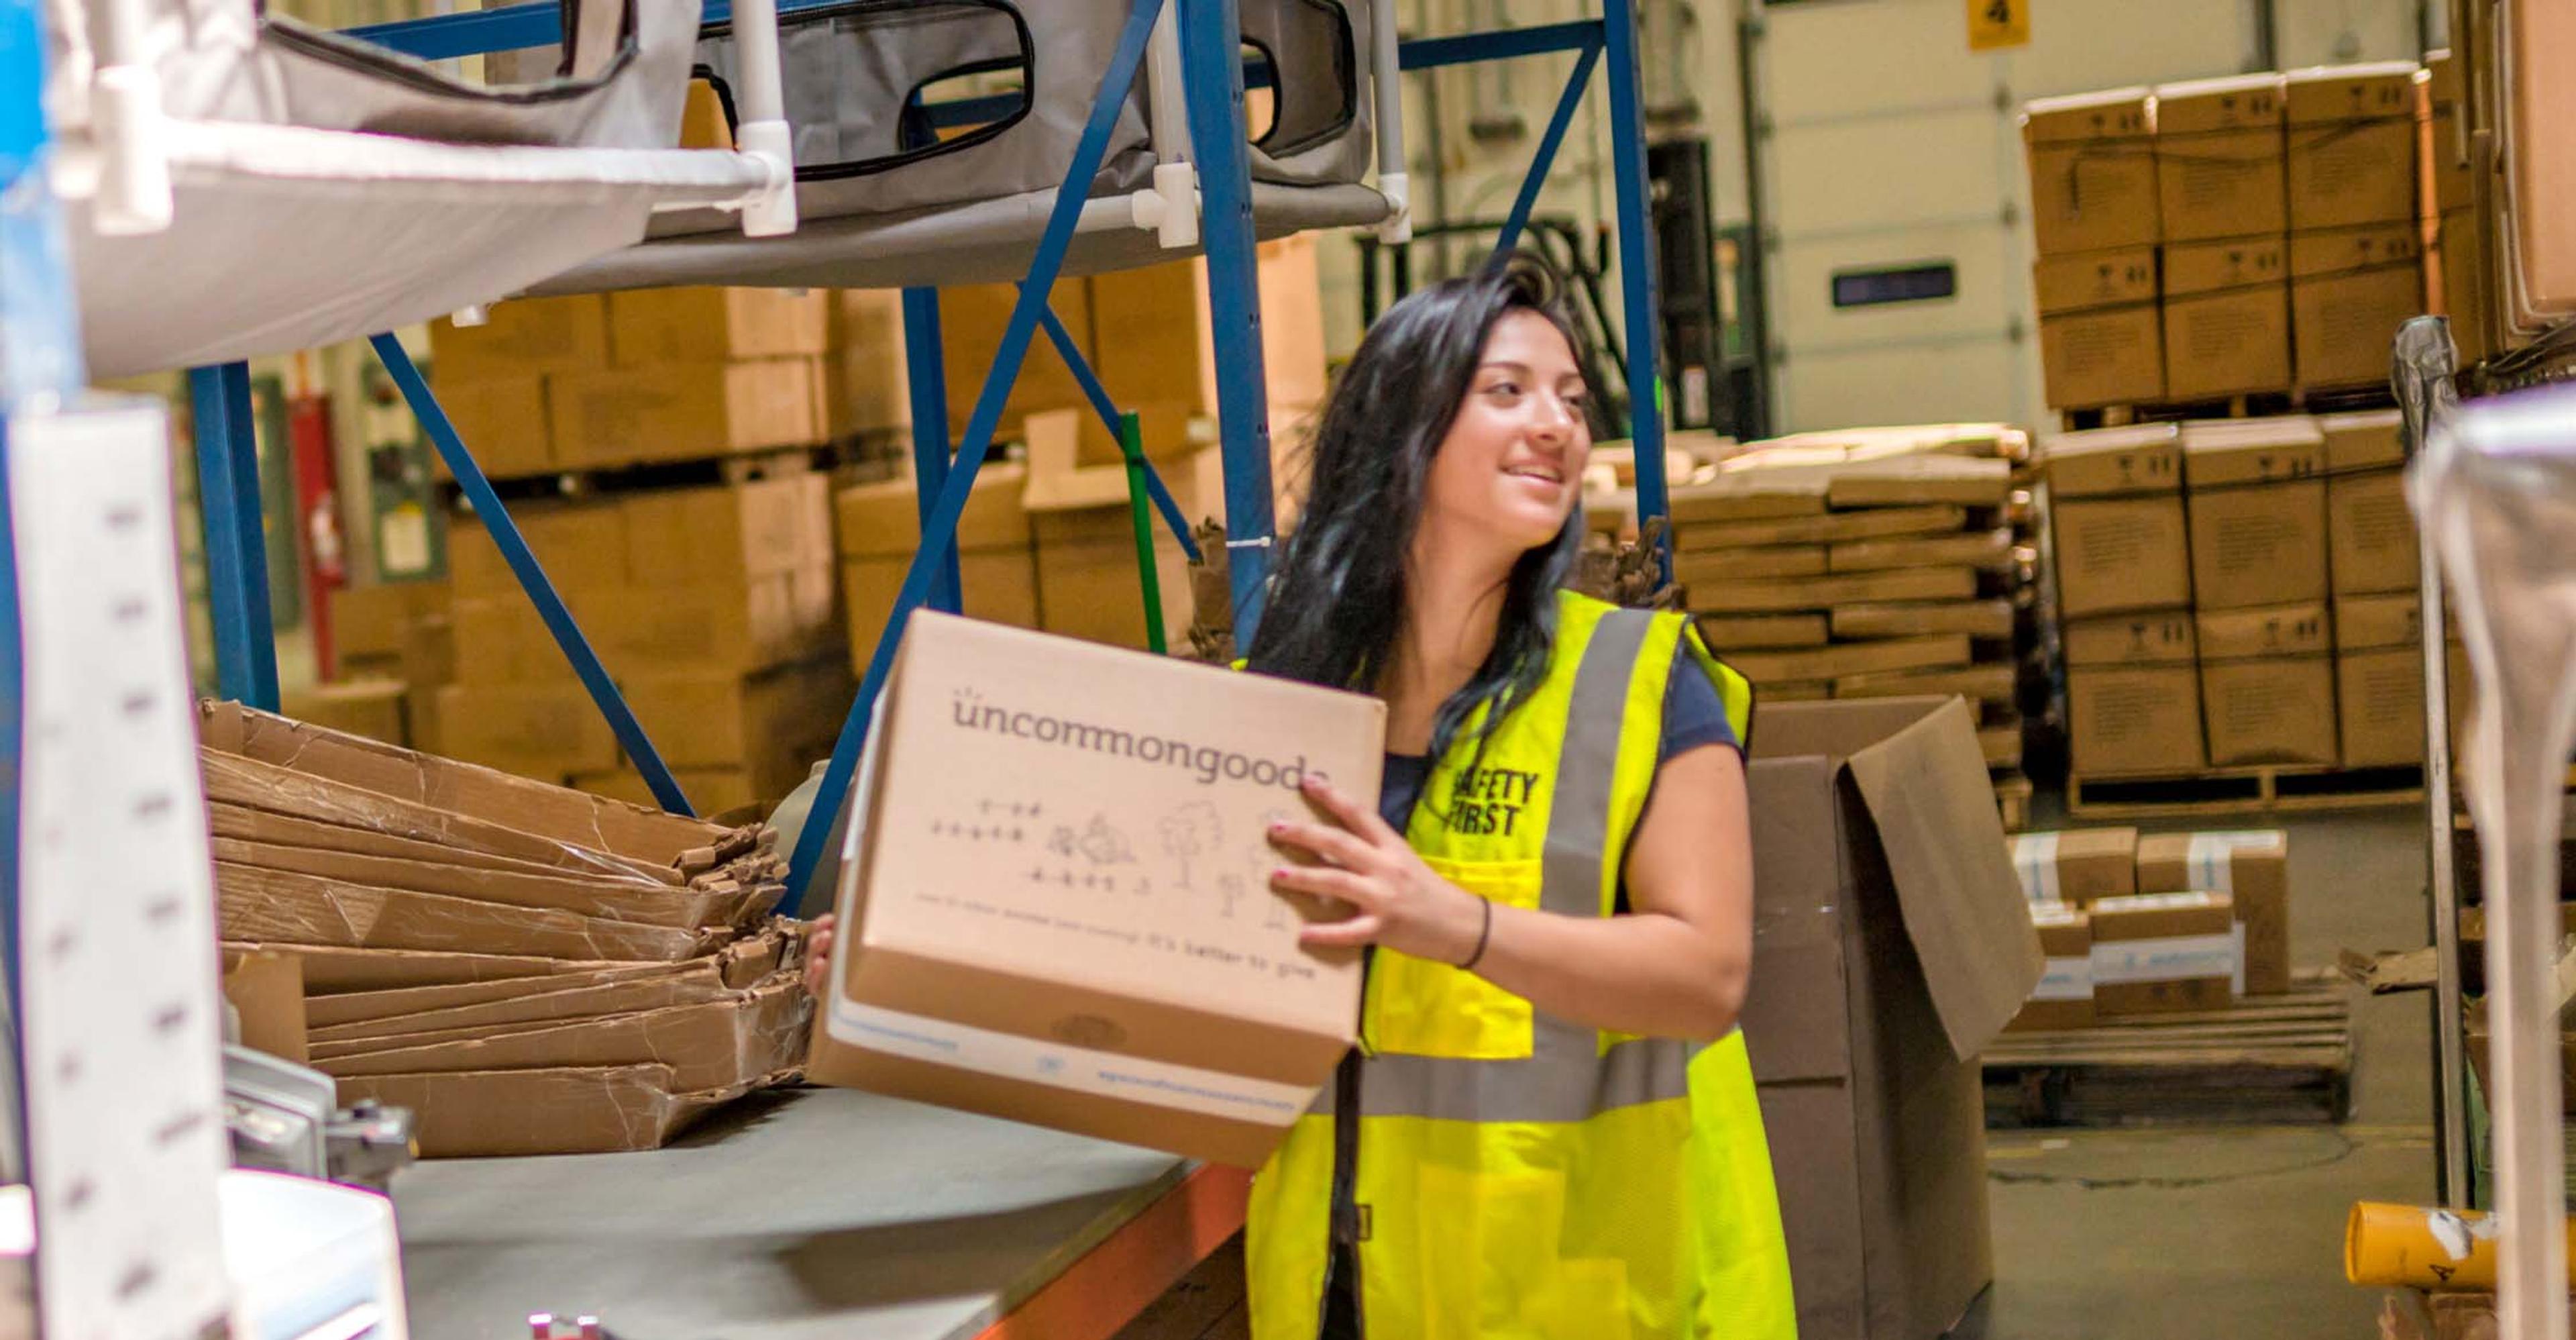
(1516, 1176)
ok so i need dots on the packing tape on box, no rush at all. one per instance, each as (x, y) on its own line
(2035, 861)
(2065, 979)
(2421, 1247)
(2211, 858)
(1103, 1074)
(2172, 958)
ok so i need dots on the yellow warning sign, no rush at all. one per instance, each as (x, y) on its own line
(1996, 24)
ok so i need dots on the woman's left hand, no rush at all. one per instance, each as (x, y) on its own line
(1364, 862)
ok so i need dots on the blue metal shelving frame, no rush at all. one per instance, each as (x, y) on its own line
(1214, 77)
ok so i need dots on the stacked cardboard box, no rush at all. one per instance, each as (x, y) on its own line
(2375, 566)
(2451, 201)
(1869, 564)
(2094, 213)
(2256, 493)
(712, 608)
(2124, 595)
(879, 527)
(393, 649)
(2356, 247)
(2156, 924)
(529, 969)
(553, 385)
(2219, 170)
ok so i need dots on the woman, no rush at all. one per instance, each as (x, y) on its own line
(1549, 1130)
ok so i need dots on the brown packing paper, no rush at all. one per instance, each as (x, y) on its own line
(553, 1110)
(711, 791)
(274, 905)
(676, 909)
(2277, 710)
(2118, 554)
(2253, 869)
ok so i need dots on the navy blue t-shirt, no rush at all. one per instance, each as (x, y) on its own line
(1693, 716)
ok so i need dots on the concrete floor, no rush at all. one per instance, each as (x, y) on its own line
(2200, 1232)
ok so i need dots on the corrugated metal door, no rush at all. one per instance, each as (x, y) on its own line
(1888, 146)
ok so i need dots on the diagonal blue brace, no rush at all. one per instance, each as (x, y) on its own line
(532, 577)
(1545, 159)
(939, 526)
(236, 543)
(926, 380)
(1638, 309)
(1107, 409)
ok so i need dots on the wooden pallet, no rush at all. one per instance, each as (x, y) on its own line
(2264, 1059)
(2251, 405)
(2280, 790)
(651, 476)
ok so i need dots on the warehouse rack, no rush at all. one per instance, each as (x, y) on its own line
(40, 376)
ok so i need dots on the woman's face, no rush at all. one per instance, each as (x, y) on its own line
(1511, 469)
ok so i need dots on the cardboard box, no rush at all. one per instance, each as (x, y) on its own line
(2064, 997)
(2164, 953)
(374, 622)
(2299, 629)
(2076, 867)
(1153, 328)
(2118, 554)
(2259, 544)
(1874, 523)
(1091, 588)
(505, 422)
(865, 378)
(523, 337)
(2233, 102)
(2370, 623)
(715, 325)
(731, 533)
(2226, 343)
(2218, 452)
(1726, 633)
(2139, 458)
(2253, 869)
(1974, 618)
(1989, 550)
(1984, 686)
(2092, 171)
(2108, 357)
(2158, 637)
(884, 520)
(2356, 172)
(2371, 534)
(2085, 281)
(581, 546)
(682, 411)
(2346, 323)
(1823, 593)
(995, 585)
(770, 621)
(1724, 565)
(2335, 94)
(2195, 268)
(2468, 285)
(2363, 441)
(543, 731)
(2379, 705)
(2277, 710)
(1893, 944)
(2135, 720)
(768, 721)
(369, 707)
(1146, 988)
(500, 640)
(2220, 183)
(971, 318)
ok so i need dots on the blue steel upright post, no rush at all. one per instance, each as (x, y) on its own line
(236, 542)
(1212, 80)
(1638, 308)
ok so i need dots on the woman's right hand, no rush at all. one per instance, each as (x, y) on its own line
(818, 952)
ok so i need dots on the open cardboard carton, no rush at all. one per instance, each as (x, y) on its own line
(1891, 943)
(1055, 899)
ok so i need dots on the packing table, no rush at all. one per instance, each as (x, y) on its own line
(811, 1213)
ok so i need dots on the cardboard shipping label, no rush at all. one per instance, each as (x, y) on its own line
(1057, 898)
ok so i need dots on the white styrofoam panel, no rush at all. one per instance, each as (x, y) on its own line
(1835, 59)
(1986, 301)
(1922, 383)
(1860, 174)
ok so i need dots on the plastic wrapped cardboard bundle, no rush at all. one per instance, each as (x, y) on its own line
(530, 969)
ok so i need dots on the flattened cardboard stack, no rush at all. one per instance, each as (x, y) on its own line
(530, 969)
(1867, 564)
(712, 608)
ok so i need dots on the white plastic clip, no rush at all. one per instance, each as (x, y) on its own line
(772, 213)
(1157, 207)
(1398, 189)
(134, 171)
(469, 317)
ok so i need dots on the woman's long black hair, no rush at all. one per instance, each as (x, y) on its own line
(1337, 592)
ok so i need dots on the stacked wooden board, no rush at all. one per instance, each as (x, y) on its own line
(2263, 1059)
(529, 969)
(1868, 563)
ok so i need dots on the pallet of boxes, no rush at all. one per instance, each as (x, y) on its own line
(695, 554)
(393, 650)
(2168, 994)
(2202, 243)
(2237, 601)
(1866, 564)
(528, 969)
